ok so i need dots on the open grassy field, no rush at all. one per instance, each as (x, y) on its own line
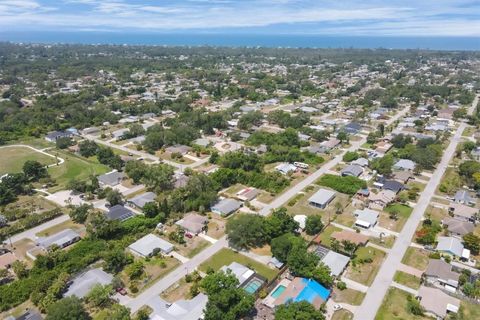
(13, 158)
(226, 256)
(394, 307)
(407, 279)
(365, 272)
(75, 167)
(416, 258)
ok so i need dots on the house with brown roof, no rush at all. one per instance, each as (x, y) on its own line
(354, 237)
(193, 223)
(383, 147)
(380, 200)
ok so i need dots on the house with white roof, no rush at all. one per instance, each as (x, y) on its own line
(145, 246)
(452, 246)
(366, 218)
(321, 198)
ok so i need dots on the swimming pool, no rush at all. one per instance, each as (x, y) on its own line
(278, 291)
(253, 286)
(312, 290)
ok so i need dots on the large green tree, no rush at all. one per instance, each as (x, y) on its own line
(67, 309)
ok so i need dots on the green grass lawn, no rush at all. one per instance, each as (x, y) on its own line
(226, 256)
(365, 273)
(69, 224)
(416, 258)
(387, 241)
(403, 212)
(407, 280)
(75, 167)
(469, 310)
(13, 158)
(342, 315)
(394, 307)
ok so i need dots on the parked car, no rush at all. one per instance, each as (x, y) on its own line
(122, 291)
(188, 235)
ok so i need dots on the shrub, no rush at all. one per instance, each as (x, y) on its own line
(341, 285)
(348, 185)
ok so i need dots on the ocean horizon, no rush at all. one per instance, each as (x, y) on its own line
(247, 40)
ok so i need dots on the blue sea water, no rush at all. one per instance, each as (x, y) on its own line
(245, 40)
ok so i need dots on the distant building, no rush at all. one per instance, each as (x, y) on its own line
(193, 223)
(119, 212)
(111, 179)
(286, 168)
(404, 164)
(60, 239)
(53, 136)
(141, 200)
(352, 170)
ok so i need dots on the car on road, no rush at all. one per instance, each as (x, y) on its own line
(188, 235)
(337, 307)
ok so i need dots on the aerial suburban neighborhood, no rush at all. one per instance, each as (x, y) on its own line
(187, 183)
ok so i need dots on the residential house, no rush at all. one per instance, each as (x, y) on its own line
(437, 303)
(247, 194)
(463, 197)
(404, 165)
(181, 180)
(475, 153)
(352, 170)
(111, 179)
(440, 273)
(83, 283)
(336, 262)
(119, 212)
(301, 219)
(6, 259)
(286, 168)
(321, 198)
(60, 239)
(179, 310)
(226, 207)
(193, 223)
(352, 128)
(28, 315)
(366, 218)
(362, 162)
(181, 149)
(54, 135)
(402, 176)
(393, 185)
(381, 200)
(299, 289)
(383, 147)
(458, 228)
(248, 279)
(141, 200)
(145, 246)
(330, 144)
(452, 246)
(462, 212)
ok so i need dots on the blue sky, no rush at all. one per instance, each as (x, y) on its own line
(311, 17)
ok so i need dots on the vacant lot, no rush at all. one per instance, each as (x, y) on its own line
(416, 258)
(177, 291)
(349, 296)
(226, 256)
(361, 269)
(394, 307)
(407, 280)
(402, 211)
(342, 315)
(75, 167)
(13, 158)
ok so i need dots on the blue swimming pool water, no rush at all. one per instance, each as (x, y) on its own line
(275, 294)
(312, 289)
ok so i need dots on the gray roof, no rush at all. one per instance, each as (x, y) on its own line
(193, 222)
(459, 227)
(241, 272)
(336, 262)
(119, 212)
(58, 134)
(145, 246)
(82, 284)
(29, 315)
(322, 196)
(60, 239)
(463, 196)
(451, 245)
(112, 178)
(437, 302)
(142, 199)
(226, 206)
(404, 164)
(366, 215)
(179, 310)
(440, 269)
(352, 170)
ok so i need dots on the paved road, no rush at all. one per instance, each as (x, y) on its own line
(284, 197)
(30, 233)
(384, 278)
(136, 303)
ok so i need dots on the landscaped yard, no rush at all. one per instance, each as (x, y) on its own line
(387, 241)
(469, 310)
(403, 212)
(365, 272)
(407, 280)
(13, 158)
(178, 290)
(75, 167)
(226, 256)
(394, 307)
(416, 258)
(349, 296)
